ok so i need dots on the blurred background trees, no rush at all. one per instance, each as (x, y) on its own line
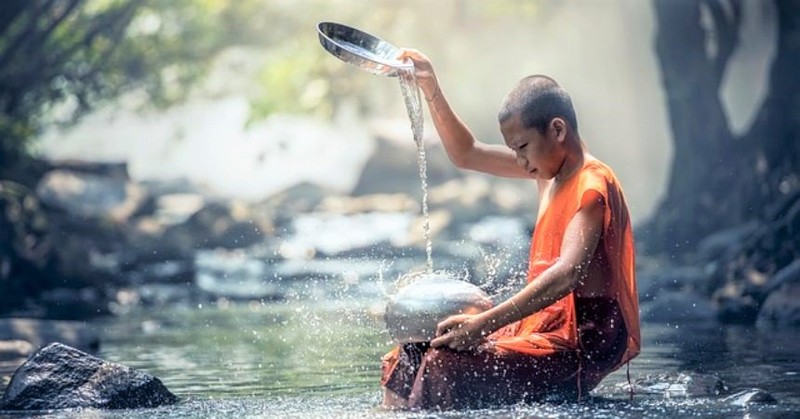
(61, 58)
(719, 179)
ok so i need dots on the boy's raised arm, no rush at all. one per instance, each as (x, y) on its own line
(463, 149)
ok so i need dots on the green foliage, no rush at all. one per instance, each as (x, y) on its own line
(293, 80)
(60, 59)
(72, 55)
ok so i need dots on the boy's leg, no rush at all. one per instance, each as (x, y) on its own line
(449, 379)
(392, 400)
(398, 371)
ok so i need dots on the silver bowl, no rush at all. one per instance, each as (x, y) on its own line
(361, 49)
(414, 311)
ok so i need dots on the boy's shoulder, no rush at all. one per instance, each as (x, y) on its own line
(597, 168)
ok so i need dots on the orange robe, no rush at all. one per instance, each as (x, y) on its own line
(542, 352)
(555, 327)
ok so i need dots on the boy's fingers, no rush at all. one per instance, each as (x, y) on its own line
(445, 325)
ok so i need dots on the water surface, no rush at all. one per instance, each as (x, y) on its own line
(319, 357)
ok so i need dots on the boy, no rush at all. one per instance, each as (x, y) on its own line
(576, 320)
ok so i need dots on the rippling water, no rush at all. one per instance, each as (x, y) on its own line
(319, 357)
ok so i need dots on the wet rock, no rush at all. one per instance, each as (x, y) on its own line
(234, 275)
(734, 307)
(725, 242)
(60, 377)
(653, 283)
(463, 196)
(788, 274)
(14, 349)
(677, 307)
(168, 271)
(157, 295)
(177, 208)
(782, 307)
(503, 230)
(13, 353)
(90, 195)
(323, 234)
(229, 225)
(148, 243)
(393, 167)
(26, 245)
(114, 170)
(73, 304)
(678, 385)
(750, 396)
(298, 199)
(398, 202)
(43, 332)
(438, 222)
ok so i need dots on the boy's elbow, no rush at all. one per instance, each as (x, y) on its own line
(460, 161)
(575, 275)
(463, 160)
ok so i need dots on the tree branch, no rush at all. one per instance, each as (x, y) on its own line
(11, 11)
(57, 21)
(109, 20)
(726, 24)
(27, 35)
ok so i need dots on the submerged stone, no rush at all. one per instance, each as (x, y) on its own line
(750, 396)
(60, 377)
(678, 385)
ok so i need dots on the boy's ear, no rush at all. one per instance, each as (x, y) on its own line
(559, 126)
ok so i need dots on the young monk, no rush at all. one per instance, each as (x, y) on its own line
(577, 319)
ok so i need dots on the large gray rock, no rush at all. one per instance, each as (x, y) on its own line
(14, 349)
(61, 377)
(43, 332)
(782, 307)
(90, 195)
(678, 307)
(677, 385)
(393, 167)
(750, 396)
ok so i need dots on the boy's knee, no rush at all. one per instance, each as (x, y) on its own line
(438, 357)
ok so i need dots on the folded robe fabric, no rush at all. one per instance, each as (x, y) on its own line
(551, 336)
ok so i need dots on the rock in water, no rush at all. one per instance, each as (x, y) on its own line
(750, 396)
(60, 377)
(414, 311)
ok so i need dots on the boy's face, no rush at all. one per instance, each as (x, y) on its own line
(540, 155)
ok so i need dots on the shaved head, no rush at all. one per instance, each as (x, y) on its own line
(538, 99)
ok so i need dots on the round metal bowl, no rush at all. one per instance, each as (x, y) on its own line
(361, 49)
(414, 311)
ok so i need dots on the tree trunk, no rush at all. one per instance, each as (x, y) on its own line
(718, 180)
(774, 138)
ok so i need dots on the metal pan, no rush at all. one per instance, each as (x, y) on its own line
(413, 313)
(361, 49)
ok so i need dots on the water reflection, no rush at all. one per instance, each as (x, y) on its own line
(305, 358)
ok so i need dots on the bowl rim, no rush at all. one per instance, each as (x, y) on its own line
(380, 66)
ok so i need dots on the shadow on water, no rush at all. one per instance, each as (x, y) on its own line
(312, 357)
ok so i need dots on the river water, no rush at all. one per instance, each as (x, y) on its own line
(318, 354)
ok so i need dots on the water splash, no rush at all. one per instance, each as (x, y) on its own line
(411, 97)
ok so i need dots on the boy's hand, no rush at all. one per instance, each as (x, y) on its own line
(426, 77)
(461, 332)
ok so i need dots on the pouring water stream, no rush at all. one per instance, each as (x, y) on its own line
(411, 97)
